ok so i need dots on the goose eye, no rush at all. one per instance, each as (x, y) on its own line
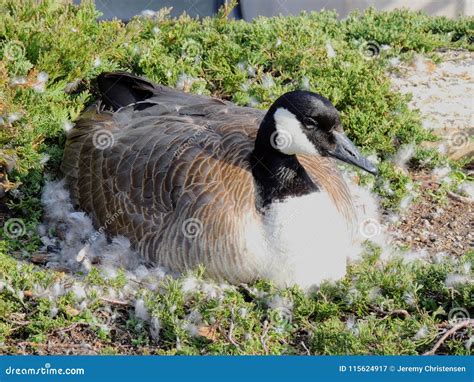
(310, 123)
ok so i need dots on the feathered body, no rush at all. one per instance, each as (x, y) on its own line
(179, 169)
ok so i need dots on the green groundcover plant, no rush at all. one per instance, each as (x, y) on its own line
(51, 52)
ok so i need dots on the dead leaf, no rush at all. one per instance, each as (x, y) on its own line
(208, 332)
(72, 311)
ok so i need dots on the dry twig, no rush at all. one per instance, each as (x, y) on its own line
(231, 329)
(264, 334)
(303, 345)
(396, 312)
(116, 302)
(460, 198)
(454, 329)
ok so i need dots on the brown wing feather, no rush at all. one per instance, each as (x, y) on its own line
(181, 157)
(325, 173)
(161, 173)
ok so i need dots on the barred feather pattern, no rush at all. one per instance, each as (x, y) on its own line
(177, 167)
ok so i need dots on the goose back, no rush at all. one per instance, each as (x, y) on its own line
(171, 172)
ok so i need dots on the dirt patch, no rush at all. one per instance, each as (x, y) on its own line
(79, 338)
(443, 93)
(434, 224)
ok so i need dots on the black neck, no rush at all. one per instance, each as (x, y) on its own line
(277, 175)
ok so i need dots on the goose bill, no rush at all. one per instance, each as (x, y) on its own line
(347, 152)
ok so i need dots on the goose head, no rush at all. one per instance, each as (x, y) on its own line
(303, 122)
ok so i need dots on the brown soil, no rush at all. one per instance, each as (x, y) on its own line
(79, 338)
(436, 225)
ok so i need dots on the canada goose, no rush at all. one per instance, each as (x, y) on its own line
(198, 180)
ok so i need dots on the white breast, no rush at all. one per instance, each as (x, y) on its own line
(302, 240)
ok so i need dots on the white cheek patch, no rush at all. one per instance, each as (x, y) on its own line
(290, 138)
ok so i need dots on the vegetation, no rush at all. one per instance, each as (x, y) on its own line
(51, 51)
(379, 308)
